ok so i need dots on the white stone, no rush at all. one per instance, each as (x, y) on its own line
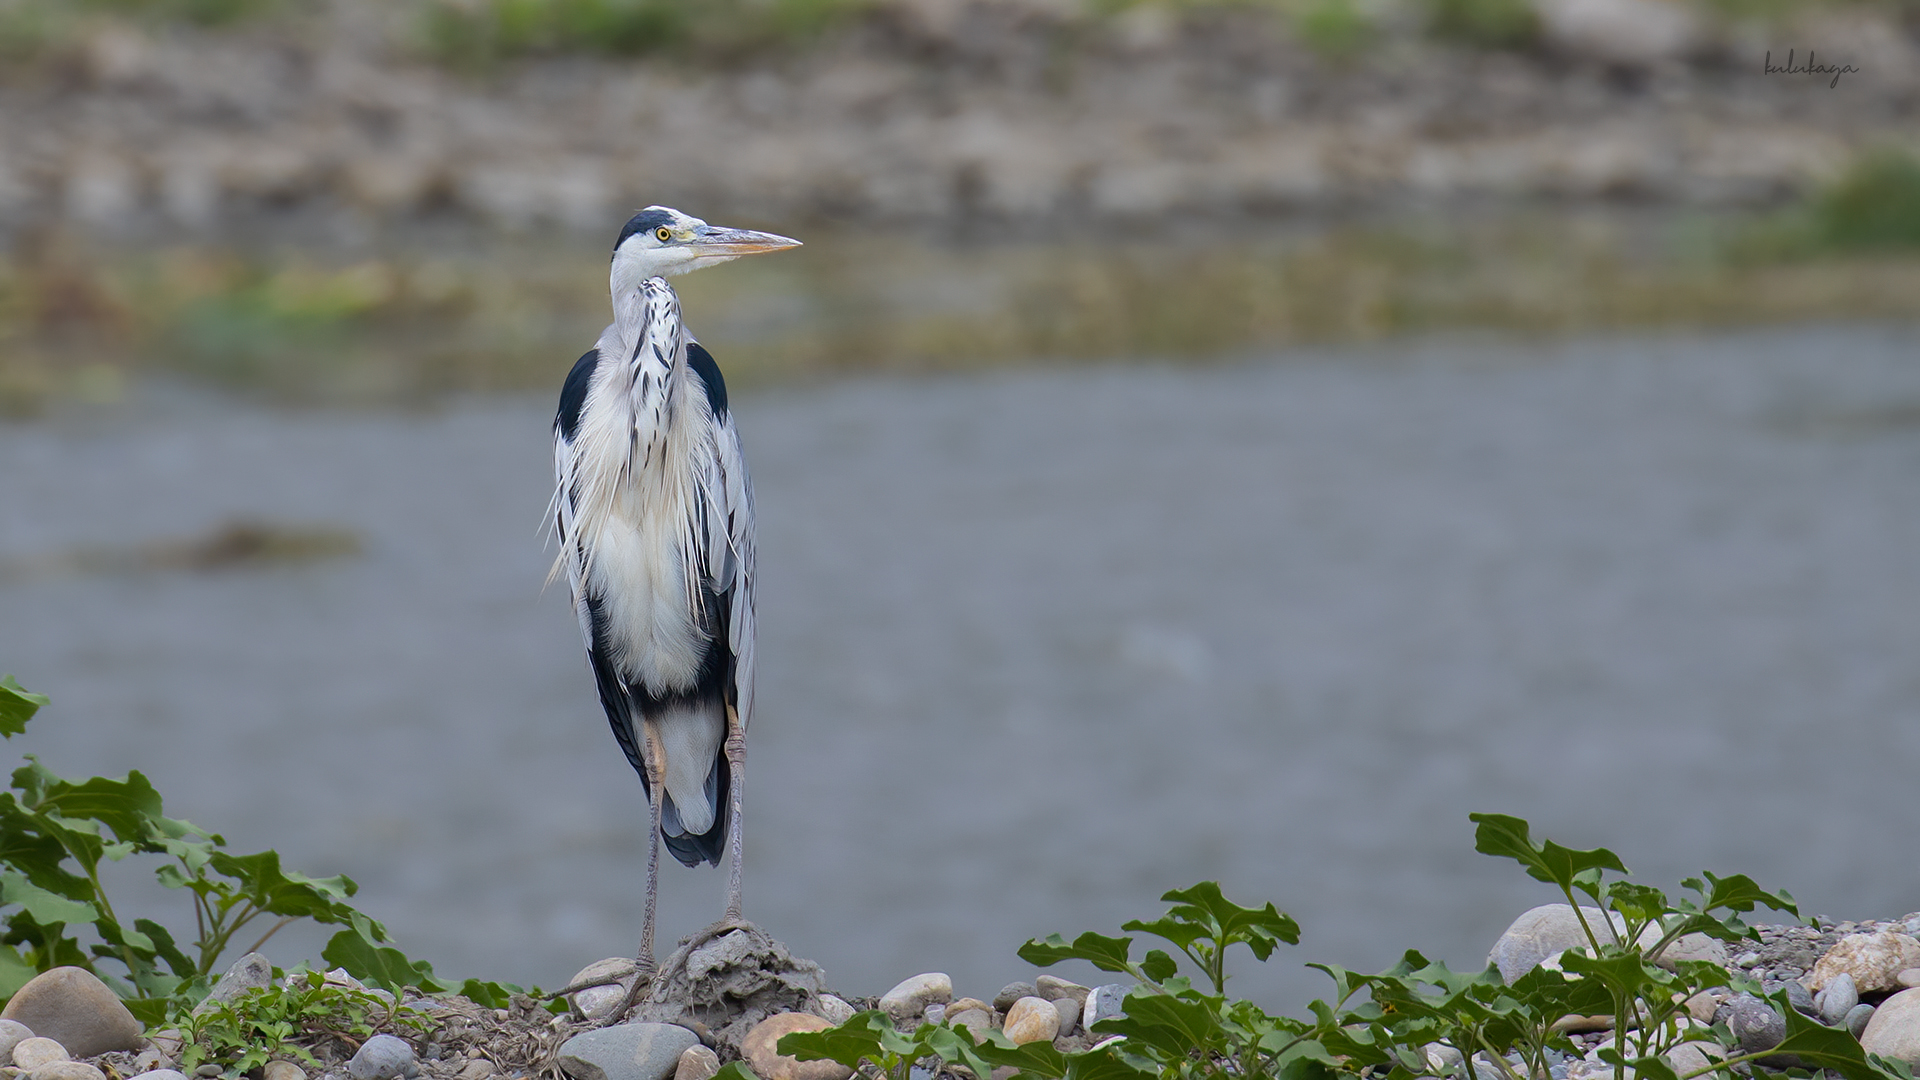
(835, 1010)
(910, 996)
(1874, 960)
(595, 1001)
(1894, 1031)
(1635, 32)
(30, 1054)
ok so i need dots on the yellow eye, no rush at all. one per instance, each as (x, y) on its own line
(665, 234)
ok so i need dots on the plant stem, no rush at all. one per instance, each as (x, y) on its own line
(284, 920)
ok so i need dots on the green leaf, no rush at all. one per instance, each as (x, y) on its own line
(1739, 893)
(17, 706)
(15, 972)
(1105, 953)
(43, 906)
(1159, 966)
(1259, 928)
(355, 949)
(1499, 834)
(493, 995)
(1173, 1026)
(151, 1012)
(271, 889)
(1821, 1047)
(735, 1070)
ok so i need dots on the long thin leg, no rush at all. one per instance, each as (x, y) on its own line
(643, 974)
(736, 775)
(656, 791)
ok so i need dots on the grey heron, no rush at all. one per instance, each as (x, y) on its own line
(653, 513)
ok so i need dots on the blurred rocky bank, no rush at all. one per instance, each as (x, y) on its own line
(954, 112)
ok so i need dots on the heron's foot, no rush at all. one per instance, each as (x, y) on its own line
(644, 977)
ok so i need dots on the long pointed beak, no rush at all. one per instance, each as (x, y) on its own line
(711, 241)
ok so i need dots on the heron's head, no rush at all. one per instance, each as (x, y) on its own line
(660, 242)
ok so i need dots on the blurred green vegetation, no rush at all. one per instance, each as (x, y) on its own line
(415, 324)
(479, 35)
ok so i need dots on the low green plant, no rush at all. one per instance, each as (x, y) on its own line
(56, 833)
(476, 34)
(286, 1020)
(1875, 205)
(1384, 1025)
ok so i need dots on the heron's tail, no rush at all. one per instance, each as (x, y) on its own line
(692, 821)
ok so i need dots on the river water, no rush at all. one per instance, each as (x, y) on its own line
(1039, 645)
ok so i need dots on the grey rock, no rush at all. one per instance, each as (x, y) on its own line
(1755, 1023)
(978, 1021)
(251, 972)
(11, 1032)
(204, 1070)
(1837, 1000)
(1104, 1002)
(382, 1057)
(726, 985)
(1011, 993)
(1894, 1029)
(627, 1052)
(160, 1074)
(75, 1009)
(1801, 998)
(935, 1013)
(1857, 1019)
(835, 1010)
(910, 996)
(1069, 1011)
(32, 1053)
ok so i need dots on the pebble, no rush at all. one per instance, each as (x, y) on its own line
(282, 1070)
(760, 1049)
(1857, 1019)
(1755, 1024)
(67, 1070)
(595, 1001)
(1687, 947)
(1908, 978)
(1874, 960)
(160, 1074)
(1032, 1019)
(1012, 992)
(626, 1052)
(911, 996)
(251, 972)
(978, 1021)
(30, 1054)
(1704, 1004)
(11, 1032)
(1538, 933)
(1691, 1057)
(382, 1057)
(1894, 1029)
(475, 1069)
(1802, 999)
(936, 1013)
(835, 1010)
(1069, 1011)
(961, 1005)
(203, 1070)
(1053, 988)
(1104, 1002)
(697, 1063)
(74, 1008)
(1837, 1000)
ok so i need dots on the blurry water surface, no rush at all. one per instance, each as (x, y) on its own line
(1040, 645)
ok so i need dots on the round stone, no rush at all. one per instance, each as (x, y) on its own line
(74, 1008)
(11, 1032)
(595, 1001)
(1069, 1011)
(761, 1050)
(1755, 1024)
(910, 996)
(160, 1074)
(643, 1051)
(382, 1057)
(282, 1070)
(835, 1010)
(1894, 1029)
(30, 1054)
(1032, 1019)
(66, 1070)
(1837, 1000)
(1054, 988)
(978, 1021)
(1857, 1019)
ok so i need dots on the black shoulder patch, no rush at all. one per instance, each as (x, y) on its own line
(573, 396)
(645, 221)
(701, 361)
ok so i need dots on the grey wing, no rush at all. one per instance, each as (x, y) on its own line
(728, 514)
